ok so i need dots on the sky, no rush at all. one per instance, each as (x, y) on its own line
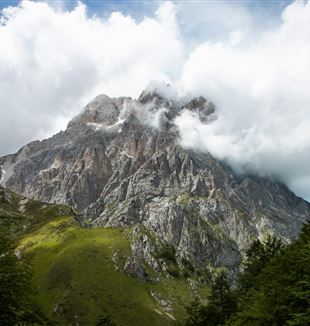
(251, 58)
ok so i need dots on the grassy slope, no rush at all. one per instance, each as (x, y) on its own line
(75, 274)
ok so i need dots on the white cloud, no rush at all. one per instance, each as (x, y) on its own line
(262, 94)
(53, 61)
(212, 19)
(149, 114)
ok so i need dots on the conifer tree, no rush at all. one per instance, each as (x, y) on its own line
(17, 306)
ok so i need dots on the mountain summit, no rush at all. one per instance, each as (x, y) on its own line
(120, 163)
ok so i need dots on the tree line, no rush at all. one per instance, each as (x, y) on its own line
(272, 290)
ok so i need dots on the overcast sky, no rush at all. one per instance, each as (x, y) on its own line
(251, 58)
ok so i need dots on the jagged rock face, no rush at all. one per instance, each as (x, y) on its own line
(120, 163)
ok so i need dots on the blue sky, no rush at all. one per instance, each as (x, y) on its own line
(135, 8)
(139, 8)
(195, 17)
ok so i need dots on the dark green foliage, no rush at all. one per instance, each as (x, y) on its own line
(16, 302)
(187, 265)
(173, 271)
(257, 257)
(222, 296)
(221, 305)
(105, 320)
(167, 252)
(196, 314)
(281, 292)
(274, 288)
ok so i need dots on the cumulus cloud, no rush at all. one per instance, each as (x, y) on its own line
(262, 93)
(54, 60)
(213, 20)
(149, 114)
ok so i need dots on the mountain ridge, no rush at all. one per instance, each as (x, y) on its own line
(78, 274)
(120, 162)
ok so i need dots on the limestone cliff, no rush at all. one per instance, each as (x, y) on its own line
(120, 163)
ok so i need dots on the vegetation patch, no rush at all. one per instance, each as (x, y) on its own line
(167, 252)
(112, 207)
(273, 289)
(76, 278)
(78, 281)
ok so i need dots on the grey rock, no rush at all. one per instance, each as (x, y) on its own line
(165, 304)
(121, 171)
(134, 268)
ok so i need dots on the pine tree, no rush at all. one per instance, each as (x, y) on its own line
(222, 296)
(257, 256)
(16, 292)
(280, 290)
(196, 314)
(221, 305)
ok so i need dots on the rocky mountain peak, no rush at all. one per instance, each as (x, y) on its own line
(120, 163)
(153, 95)
(152, 109)
(102, 109)
(204, 108)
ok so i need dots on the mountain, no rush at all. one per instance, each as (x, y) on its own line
(81, 274)
(121, 164)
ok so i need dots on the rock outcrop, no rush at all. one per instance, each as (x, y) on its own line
(120, 163)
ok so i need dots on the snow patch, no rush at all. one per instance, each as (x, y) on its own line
(7, 169)
(118, 122)
(95, 125)
(98, 126)
(2, 174)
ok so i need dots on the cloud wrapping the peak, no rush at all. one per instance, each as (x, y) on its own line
(262, 94)
(149, 114)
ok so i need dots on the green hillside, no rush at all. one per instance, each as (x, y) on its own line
(75, 273)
